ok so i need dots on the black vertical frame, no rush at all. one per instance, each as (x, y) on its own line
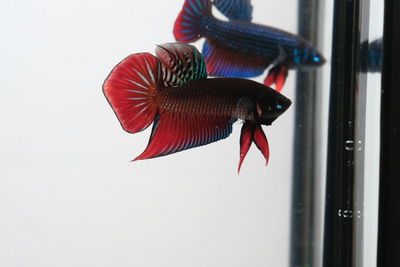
(389, 191)
(343, 212)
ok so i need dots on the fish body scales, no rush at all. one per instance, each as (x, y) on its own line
(250, 37)
(202, 98)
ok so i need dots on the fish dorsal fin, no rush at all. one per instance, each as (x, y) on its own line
(235, 9)
(181, 63)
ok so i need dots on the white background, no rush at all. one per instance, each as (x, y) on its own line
(69, 195)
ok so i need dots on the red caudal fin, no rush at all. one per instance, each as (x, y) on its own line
(278, 76)
(246, 137)
(131, 90)
(187, 26)
(172, 133)
(261, 142)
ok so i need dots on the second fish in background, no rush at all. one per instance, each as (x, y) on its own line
(240, 48)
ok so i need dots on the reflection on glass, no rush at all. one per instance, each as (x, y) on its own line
(372, 56)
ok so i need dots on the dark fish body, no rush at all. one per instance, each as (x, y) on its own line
(172, 92)
(211, 97)
(267, 42)
(240, 48)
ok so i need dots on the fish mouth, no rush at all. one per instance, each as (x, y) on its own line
(311, 66)
(268, 121)
(321, 62)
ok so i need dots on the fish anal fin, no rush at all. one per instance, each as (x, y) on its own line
(175, 133)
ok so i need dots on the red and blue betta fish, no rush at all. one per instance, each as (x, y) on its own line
(240, 48)
(187, 109)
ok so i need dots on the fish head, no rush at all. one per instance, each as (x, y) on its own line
(308, 57)
(270, 106)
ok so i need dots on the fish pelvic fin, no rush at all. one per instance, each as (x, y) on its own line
(276, 75)
(246, 138)
(261, 142)
(252, 132)
(173, 133)
(131, 89)
(187, 27)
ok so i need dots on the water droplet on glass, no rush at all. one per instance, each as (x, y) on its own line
(349, 145)
(360, 145)
(349, 163)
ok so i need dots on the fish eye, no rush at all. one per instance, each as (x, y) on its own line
(317, 58)
(279, 106)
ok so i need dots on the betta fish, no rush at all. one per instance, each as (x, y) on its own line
(171, 91)
(240, 48)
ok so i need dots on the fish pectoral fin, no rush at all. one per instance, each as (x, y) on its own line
(277, 75)
(224, 61)
(243, 109)
(252, 133)
(176, 132)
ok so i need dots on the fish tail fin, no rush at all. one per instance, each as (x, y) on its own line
(132, 88)
(187, 27)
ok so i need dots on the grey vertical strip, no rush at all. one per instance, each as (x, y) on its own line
(303, 235)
